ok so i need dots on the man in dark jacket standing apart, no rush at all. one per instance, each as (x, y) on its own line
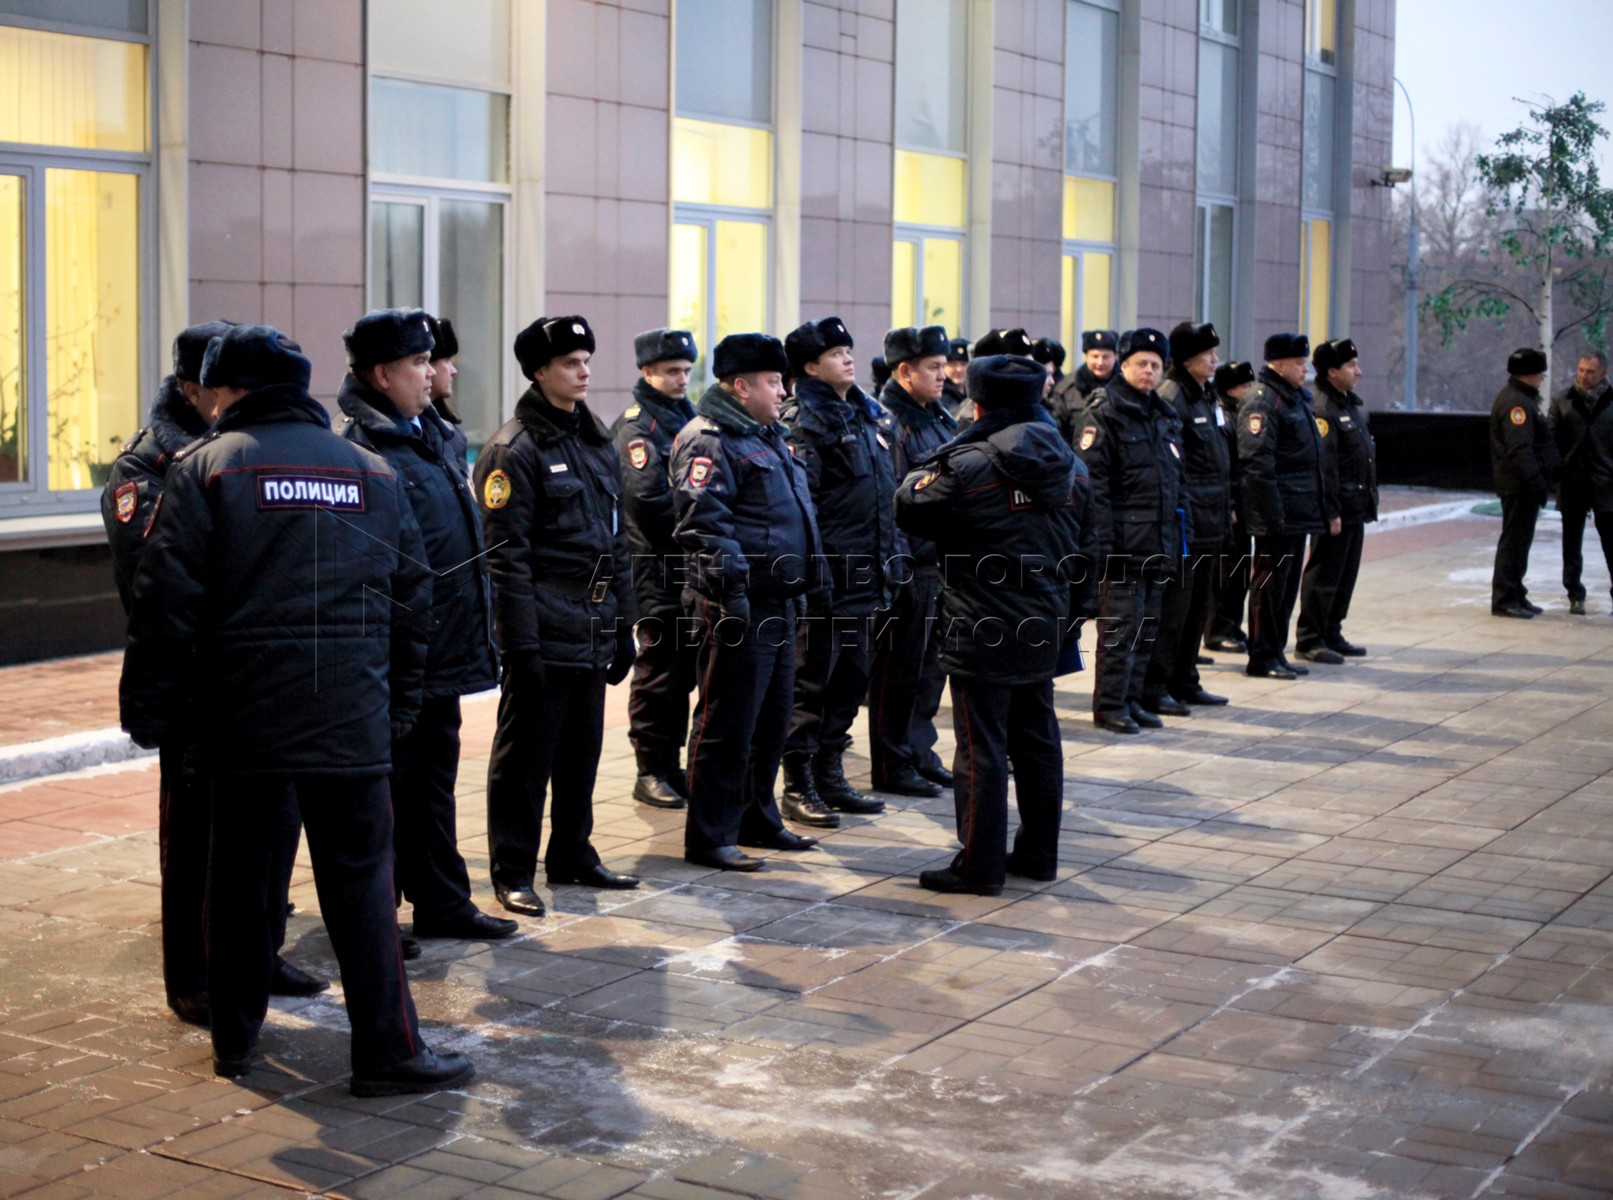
(1171, 681)
(664, 672)
(1284, 496)
(745, 519)
(387, 399)
(279, 612)
(1131, 443)
(1008, 490)
(1350, 474)
(550, 489)
(841, 437)
(905, 683)
(1573, 411)
(1071, 393)
(1524, 463)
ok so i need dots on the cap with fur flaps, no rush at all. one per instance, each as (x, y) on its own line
(1000, 380)
(1189, 340)
(1333, 354)
(1527, 361)
(1144, 341)
(958, 350)
(1287, 345)
(1233, 374)
(907, 343)
(549, 338)
(1003, 341)
(1099, 339)
(881, 372)
(190, 347)
(253, 357)
(808, 342)
(442, 334)
(748, 354)
(386, 335)
(664, 345)
(1049, 352)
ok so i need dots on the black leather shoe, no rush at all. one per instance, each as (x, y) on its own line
(800, 801)
(1166, 706)
(1040, 876)
(1576, 606)
(409, 947)
(1116, 722)
(521, 899)
(427, 1071)
(1532, 607)
(287, 980)
(472, 927)
(724, 858)
(936, 773)
(193, 1010)
(1321, 654)
(1513, 610)
(595, 875)
(1348, 649)
(1227, 645)
(835, 790)
(1203, 660)
(233, 1066)
(1297, 670)
(945, 879)
(906, 781)
(1275, 671)
(1201, 698)
(784, 839)
(1145, 719)
(657, 791)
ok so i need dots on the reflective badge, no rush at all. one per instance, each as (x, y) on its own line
(1088, 436)
(638, 454)
(1220, 417)
(126, 497)
(700, 472)
(1519, 416)
(1322, 426)
(1176, 450)
(334, 491)
(927, 479)
(1257, 423)
(1019, 501)
(496, 490)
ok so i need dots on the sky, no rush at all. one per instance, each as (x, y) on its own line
(1467, 59)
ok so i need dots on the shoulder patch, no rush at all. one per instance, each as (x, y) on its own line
(700, 472)
(1088, 436)
(1322, 426)
(924, 481)
(1256, 421)
(1519, 416)
(125, 497)
(637, 454)
(1019, 501)
(496, 489)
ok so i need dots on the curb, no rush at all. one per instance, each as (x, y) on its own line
(1425, 514)
(72, 752)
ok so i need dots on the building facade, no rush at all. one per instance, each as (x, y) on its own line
(719, 165)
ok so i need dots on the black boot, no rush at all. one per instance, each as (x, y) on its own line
(800, 802)
(836, 790)
(654, 785)
(677, 777)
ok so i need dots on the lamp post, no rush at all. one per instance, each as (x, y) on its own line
(1411, 264)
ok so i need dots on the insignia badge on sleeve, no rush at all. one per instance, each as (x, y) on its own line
(1519, 416)
(925, 481)
(1088, 436)
(700, 472)
(126, 497)
(1256, 423)
(496, 490)
(1322, 426)
(638, 453)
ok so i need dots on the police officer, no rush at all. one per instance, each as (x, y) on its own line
(387, 396)
(282, 594)
(1573, 411)
(664, 672)
(1013, 341)
(905, 684)
(952, 394)
(1523, 461)
(1007, 490)
(1172, 682)
(1070, 395)
(1284, 497)
(444, 371)
(746, 521)
(1051, 354)
(840, 436)
(550, 489)
(1131, 443)
(1349, 467)
(1223, 629)
(881, 372)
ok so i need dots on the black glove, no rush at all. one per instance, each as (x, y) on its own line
(146, 739)
(526, 666)
(401, 725)
(622, 662)
(736, 608)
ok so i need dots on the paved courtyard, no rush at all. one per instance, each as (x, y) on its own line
(1351, 937)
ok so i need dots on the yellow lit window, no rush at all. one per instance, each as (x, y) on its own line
(1089, 209)
(931, 189)
(1069, 331)
(719, 281)
(1322, 30)
(730, 165)
(61, 90)
(943, 283)
(741, 278)
(1315, 278)
(1096, 288)
(688, 285)
(904, 284)
(13, 411)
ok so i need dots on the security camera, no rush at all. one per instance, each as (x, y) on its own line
(1389, 176)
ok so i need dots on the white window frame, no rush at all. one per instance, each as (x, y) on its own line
(707, 216)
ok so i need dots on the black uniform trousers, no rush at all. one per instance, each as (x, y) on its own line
(1173, 665)
(1518, 517)
(902, 678)
(831, 678)
(664, 675)
(1273, 590)
(1129, 601)
(997, 724)
(747, 682)
(547, 741)
(425, 766)
(1229, 591)
(349, 824)
(1573, 516)
(1327, 585)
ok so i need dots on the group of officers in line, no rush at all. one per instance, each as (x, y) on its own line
(307, 607)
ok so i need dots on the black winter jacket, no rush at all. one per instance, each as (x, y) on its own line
(456, 447)
(1131, 443)
(1206, 457)
(1004, 505)
(282, 604)
(1349, 456)
(953, 398)
(1280, 457)
(643, 435)
(744, 511)
(135, 483)
(845, 447)
(1523, 453)
(550, 491)
(1069, 398)
(1571, 416)
(461, 658)
(919, 430)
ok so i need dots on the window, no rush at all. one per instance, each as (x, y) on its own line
(1216, 227)
(1212, 263)
(74, 160)
(1322, 31)
(1315, 277)
(722, 171)
(931, 192)
(1316, 169)
(1091, 125)
(440, 184)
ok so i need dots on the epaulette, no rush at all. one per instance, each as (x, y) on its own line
(631, 412)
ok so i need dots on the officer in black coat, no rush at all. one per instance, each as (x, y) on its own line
(746, 521)
(1229, 592)
(1131, 443)
(664, 671)
(1007, 491)
(280, 612)
(1524, 463)
(995, 341)
(386, 397)
(1070, 395)
(444, 370)
(550, 489)
(1350, 471)
(1051, 354)
(1171, 682)
(953, 396)
(1285, 497)
(906, 681)
(1574, 410)
(842, 438)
